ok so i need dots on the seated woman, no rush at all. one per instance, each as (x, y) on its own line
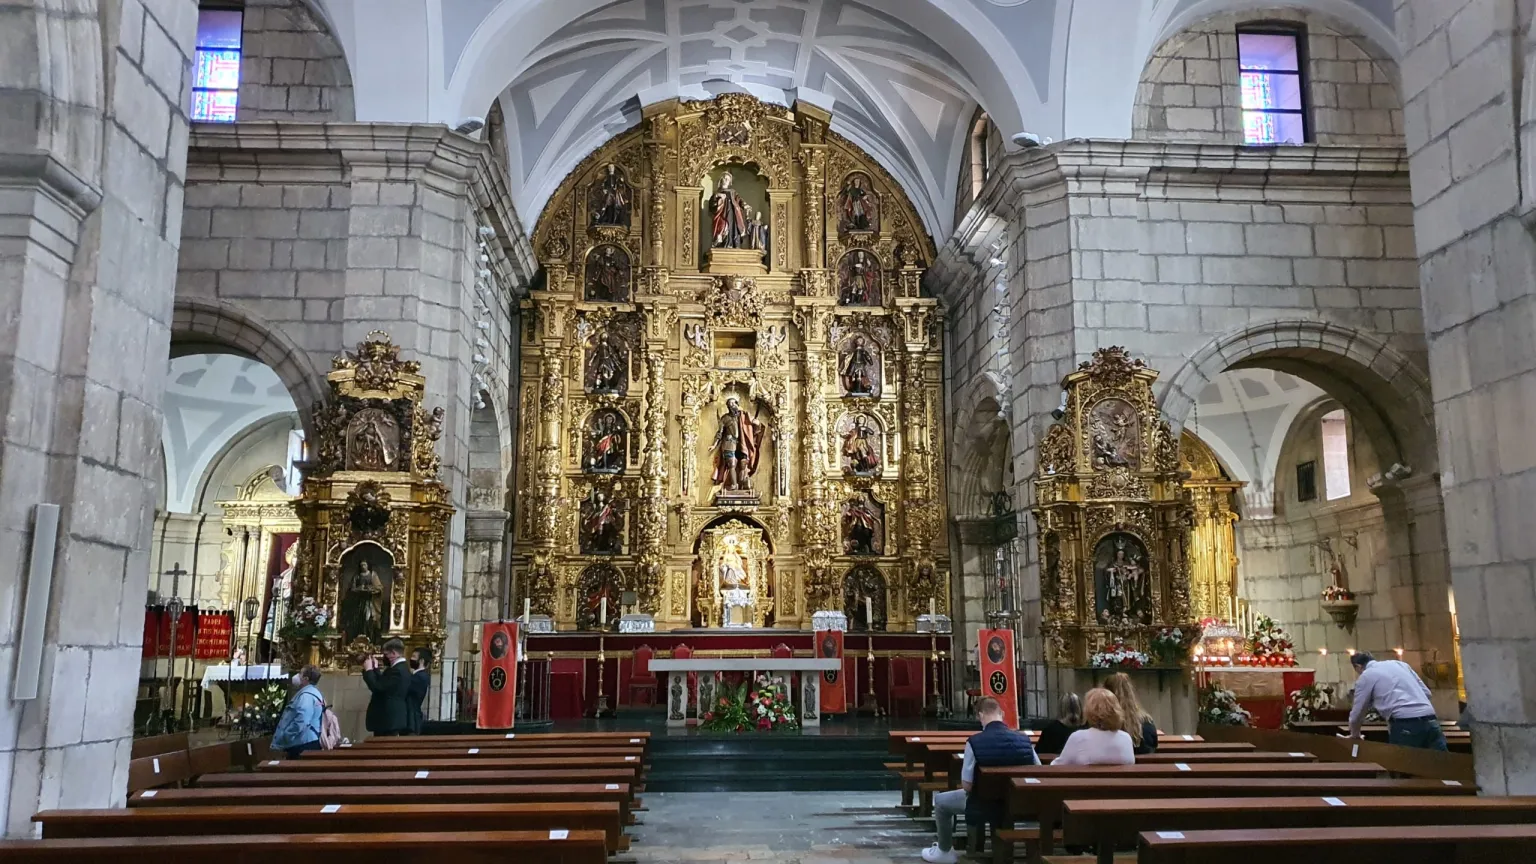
(1069, 719)
(1103, 742)
(1133, 719)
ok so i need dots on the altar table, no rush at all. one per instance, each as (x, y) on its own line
(1264, 691)
(706, 667)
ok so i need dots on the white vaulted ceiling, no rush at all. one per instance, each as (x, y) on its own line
(894, 91)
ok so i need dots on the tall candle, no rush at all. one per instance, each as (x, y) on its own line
(526, 605)
(930, 607)
(602, 612)
(869, 612)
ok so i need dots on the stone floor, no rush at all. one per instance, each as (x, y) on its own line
(778, 827)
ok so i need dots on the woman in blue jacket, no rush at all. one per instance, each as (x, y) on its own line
(298, 729)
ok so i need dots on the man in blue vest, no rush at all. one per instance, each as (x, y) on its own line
(994, 746)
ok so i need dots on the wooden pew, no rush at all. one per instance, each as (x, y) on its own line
(154, 745)
(348, 819)
(398, 753)
(479, 847)
(225, 796)
(1405, 844)
(957, 761)
(1041, 797)
(1116, 822)
(516, 741)
(456, 763)
(269, 779)
(167, 769)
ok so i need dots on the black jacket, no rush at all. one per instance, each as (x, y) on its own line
(421, 682)
(1054, 737)
(1148, 738)
(386, 707)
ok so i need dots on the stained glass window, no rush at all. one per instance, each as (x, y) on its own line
(1273, 87)
(216, 67)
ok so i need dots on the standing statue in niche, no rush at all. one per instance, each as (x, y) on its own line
(858, 206)
(728, 214)
(610, 199)
(737, 448)
(1123, 581)
(861, 447)
(607, 275)
(373, 441)
(601, 526)
(860, 372)
(858, 279)
(607, 366)
(863, 526)
(364, 612)
(607, 442)
(757, 229)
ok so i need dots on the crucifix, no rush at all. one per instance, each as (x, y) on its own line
(174, 607)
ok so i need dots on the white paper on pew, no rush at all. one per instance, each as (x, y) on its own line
(1451, 782)
(558, 833)
(157, 766)
(511, 735)
(634, 740)
(1031, 779)
(150, 794)
(1189, 737)
(917, 739)
(274, 762)
(1333, 802)
(344, 745)
(422, 775)
(1296, 754)
(629, 758)
(330, 808)
(1354, 752)
(611, 786)
(474, 750)
(1170, 835)
(248, 749)
(1182, 766)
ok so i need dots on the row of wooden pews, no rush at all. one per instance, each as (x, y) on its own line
(1202, 802)
(560, 797)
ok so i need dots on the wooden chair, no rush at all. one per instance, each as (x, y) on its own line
(641, 678)
(906, 686)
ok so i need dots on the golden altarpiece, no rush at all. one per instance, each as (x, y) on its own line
(373, 513)
(731, 381)
(1113, 515)
(1213, 538)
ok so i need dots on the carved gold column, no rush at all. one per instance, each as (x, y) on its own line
(818, 521)
(652, 528)
(658, 155)
(551, 405)
(813, 161)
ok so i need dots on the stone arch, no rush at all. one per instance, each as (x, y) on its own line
(53, 86)
(1386, 391)
(200, 325)
(983, 447)
(488, 455)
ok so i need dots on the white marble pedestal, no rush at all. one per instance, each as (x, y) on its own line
(706, 667)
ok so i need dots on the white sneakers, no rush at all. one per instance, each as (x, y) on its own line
(934, 856)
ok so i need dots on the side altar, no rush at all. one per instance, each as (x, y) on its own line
(703, 672)
(730, 410)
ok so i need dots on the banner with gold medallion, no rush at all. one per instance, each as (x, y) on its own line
(998, 674)
(834, 690)
(498, 675)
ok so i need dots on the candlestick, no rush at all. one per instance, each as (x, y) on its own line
(869, 614)
(931, 606)
(602, 612)
(526, 609)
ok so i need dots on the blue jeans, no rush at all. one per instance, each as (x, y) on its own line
(1421, 732)
(946, 806)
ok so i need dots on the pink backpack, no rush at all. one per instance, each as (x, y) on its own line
(330, 729)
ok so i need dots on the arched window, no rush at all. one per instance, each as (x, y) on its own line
(981, 131)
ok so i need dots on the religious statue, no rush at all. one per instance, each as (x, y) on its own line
(737, 448)
(863, 526)
(607, 366)
(757, 229)
(363, 607)
(861, 447)
(728, 217)
(607, 442)
(858, 279)
(859, 371)
(609, 200)
(858, 206)
(733, 575)
(282, 589)
(607, 275)
(372, 441)
(1113, 429)
(1123, 582)
(601, 525)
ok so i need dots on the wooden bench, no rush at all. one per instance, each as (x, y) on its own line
(1406, 844)
(399, 753)
(516, 741)
(1042, 797)
(479, 847)
(1116, 822)
(446, 794)
(956, 761)
(348, 819)
(155, 745)
(456, 763)
(171, 768)
(270, 779)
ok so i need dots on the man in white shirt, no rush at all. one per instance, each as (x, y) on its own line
(1395, 691)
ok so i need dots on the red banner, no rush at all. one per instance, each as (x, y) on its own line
(498, 675)
(998, 675)
(834, 689)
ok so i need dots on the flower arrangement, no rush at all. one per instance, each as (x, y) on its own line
(306, 620)
(1269, 645)
(1170, 646)
(260, 715)
(1337, 593)
(1219, 706)
(1118, 656)
(1304, 703)
(764, 705)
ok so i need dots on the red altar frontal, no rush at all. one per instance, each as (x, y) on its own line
(908, 677)
(1263, 691)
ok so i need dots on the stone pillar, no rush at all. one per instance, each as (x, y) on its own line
(92, 165)
(485, 535)
(1471, 182)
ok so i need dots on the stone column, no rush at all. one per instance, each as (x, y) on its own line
(92, 165)
(1471, 181)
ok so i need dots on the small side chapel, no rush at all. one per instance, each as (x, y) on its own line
(731, 382)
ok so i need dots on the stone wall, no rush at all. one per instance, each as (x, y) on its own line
(91, 172)
(1472, 140)
(291, 67)
(1189, 90)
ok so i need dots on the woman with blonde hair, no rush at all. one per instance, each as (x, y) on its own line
(1103, 742)
(1133, 718)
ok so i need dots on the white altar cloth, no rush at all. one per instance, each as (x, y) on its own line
(704, 688)
(261, 672)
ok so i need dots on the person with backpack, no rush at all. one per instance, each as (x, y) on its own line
(299, 728)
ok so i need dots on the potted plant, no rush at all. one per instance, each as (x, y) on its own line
(1270, 646)
(308, 623)
(1339, 603)
(1219, 707)
(1169, 646)
(762, 705)
(1306, 702)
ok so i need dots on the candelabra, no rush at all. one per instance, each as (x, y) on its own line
(602, 695)
(935, 705)
(871, 704)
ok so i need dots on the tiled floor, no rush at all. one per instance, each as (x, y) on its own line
(777, 827)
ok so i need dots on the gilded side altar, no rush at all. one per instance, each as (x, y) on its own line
(731, 381)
